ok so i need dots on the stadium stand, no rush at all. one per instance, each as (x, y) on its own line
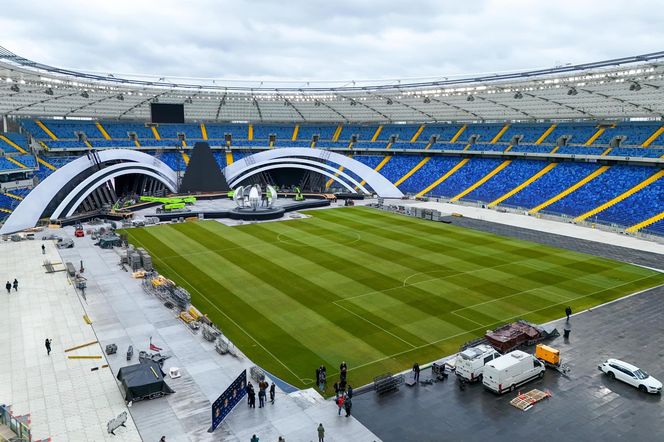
(525, 183)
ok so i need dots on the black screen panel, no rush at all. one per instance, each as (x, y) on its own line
(167, 113)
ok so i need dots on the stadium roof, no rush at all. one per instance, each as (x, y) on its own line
(626, 88)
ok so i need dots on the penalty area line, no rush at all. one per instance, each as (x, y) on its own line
(515, 317)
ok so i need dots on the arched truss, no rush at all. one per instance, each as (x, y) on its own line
(49, 193)
(294, 166)
(76, 197)
(298, 163)
(316, 160)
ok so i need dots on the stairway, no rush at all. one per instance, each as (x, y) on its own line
(523, 185)
(482, 180)
(448, 174)
(569, 190)
(654, 177)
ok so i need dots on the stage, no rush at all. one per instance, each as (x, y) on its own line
(225, 208)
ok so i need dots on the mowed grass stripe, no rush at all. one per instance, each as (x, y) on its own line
(246, 326)
(418, 299)
(322, 274)
(369, 278)
(497, 279)
(305, 291)
(263, 295)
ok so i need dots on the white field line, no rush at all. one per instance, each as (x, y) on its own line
(229, 318)
(374, 324)
(433, 279)
(507, 319)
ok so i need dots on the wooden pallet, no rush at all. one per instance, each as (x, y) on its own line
(526, 400)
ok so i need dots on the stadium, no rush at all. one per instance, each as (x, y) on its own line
(234, 233)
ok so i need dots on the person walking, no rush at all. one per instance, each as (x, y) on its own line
(43, 249)
(8, 286)
(15, 285)
(47, 343)
(568, 311)
(281, 439)
(336, 390)
(349, 392)
(254, 438)
(348, 404)
(321, 433)
(340, 403)
(272, 392)
(163, 438)
(416, 372)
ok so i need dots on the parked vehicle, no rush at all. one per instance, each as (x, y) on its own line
(510, 371)
(630, 374)
(470, 362)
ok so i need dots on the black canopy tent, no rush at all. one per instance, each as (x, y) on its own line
(143, 381)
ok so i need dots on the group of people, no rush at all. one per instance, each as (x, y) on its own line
(262, 393)
(343, 391)
(9, 286)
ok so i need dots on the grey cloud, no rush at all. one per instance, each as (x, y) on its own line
(317, 40)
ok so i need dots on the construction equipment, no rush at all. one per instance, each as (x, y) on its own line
(79, 233)
(298, 194)
(551, 358)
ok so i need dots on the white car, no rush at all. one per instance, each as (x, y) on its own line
(629, 374)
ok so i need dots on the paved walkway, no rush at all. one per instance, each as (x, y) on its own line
(65, 399)
(122, 313)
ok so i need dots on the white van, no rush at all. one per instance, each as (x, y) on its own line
(470, 362)
(511, 371)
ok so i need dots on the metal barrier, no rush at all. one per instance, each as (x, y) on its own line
(19, 428)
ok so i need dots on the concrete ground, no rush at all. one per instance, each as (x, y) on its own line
(66, 401)
(124, 314)
(585, 406)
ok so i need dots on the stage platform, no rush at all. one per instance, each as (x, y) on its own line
(226, 208)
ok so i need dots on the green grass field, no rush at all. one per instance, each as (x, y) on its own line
(377, 290)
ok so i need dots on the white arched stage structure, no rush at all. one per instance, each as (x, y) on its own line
(110, 163)
(315, 160)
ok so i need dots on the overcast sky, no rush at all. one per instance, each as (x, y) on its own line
(327, 40)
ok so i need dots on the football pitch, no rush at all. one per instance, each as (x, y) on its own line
(377, 290)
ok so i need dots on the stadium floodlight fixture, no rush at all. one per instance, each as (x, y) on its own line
(15, 88)
(518, 95)
(572, 91)
(470, 98)
(85, 94)
(48, 91)
(634, 86)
